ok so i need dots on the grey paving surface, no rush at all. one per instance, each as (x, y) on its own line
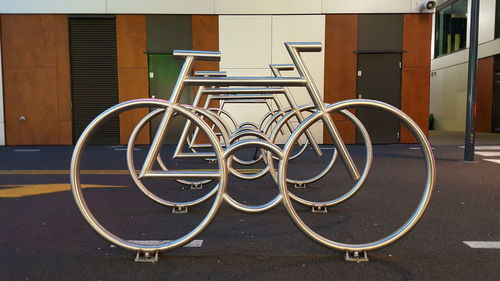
(44, 237)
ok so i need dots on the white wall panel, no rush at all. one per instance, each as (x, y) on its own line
(268, 7)
(2, 123)
(487, 49)
(449, 84)
(486, 20)
(305, 28)
(448, 98)
(367, 6)
(52, 6)
(250, 43)
(247, 113)
(161, 6)
(245, 41)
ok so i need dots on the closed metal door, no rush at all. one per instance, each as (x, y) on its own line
(164, 70)
(94, 75)
(379, 78)
(166, 33)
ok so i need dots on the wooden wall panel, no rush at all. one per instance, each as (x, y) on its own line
(340, 67)
(63, 81)
(415, 84)
(484, 98)
(131, 41)
(36, 79)
(31, 92)
(205, 32)
(417, 32)
(34, 34)
(205, 37)
(131, 45)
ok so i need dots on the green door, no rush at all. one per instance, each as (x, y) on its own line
(163, 72)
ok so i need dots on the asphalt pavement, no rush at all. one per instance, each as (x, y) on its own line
(45, 237)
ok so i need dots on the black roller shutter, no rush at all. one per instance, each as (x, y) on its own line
(94, 79)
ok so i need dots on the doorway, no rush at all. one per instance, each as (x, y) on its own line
(380, 43)
(164, 70)
(166, 33)
(379, 78)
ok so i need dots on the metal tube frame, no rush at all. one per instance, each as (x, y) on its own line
(304, 80)
(195, 116)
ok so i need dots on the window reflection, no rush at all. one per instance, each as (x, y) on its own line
(451, 28)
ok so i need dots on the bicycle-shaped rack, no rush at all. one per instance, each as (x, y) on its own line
(224, 137)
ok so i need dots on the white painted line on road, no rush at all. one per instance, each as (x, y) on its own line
(419, 148)
(26, 150)
(118, 149)
(325, 148)
(192, 244)
(488, 153)
(483, 244)
(485, 147)
(493, 160)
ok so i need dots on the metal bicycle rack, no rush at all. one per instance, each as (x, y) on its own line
(225, 138)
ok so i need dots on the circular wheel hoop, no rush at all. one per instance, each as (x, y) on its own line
(80, 200)
(138, 182)
(415, 216)
(264, 145)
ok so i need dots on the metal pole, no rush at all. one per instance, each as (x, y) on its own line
(470, 130)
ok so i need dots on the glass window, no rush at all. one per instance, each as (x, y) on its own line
(451, 28)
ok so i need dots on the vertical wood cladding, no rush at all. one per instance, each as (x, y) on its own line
(205, 32)
(131, 45)
(340, 67)
(484, 98)
(415, 90)
(36, 79)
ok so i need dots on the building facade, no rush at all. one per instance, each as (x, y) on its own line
(63, 62)
(449, 66)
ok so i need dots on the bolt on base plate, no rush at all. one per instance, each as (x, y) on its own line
(180, 210)
(355, 257)
(196, 186)
(300, 185)
(319, 209)
(151, 257)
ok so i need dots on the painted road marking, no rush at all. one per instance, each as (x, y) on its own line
(192, 244)
(488, 153)
(483, 244)
(493, 160)
(485, 147)
(414, 148)
(26, 150)
(482, 150)
(20, 190)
